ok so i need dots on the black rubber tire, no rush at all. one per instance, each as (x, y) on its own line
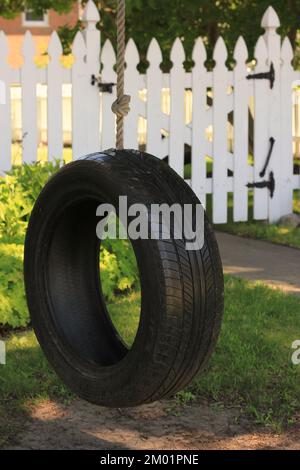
(182, 291)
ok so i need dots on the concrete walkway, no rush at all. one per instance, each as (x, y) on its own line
(276, 265)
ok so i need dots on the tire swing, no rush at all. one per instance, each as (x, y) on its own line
(181, 290)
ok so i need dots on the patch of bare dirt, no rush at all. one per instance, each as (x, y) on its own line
(162, 426)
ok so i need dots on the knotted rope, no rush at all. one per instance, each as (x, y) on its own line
(121, 106)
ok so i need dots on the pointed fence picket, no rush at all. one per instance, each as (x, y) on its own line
(5, 109)
(261, 129)
(185, 117)
(29, 100)
(177, 86)
(287, 164)
(199, 88)
(154, 81)
(80, 86)
(270, 22)
(108, 120)
(220, 86)
(54, 99)
(132, 76)
(240, 113)
(91, 17)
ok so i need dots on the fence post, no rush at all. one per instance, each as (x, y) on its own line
(91, 16)
(270, 22)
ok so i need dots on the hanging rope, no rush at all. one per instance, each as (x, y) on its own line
(121, 106)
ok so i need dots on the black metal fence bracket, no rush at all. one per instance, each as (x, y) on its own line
(263, 171)
(264, 76)
(103, 87)
(265, 184)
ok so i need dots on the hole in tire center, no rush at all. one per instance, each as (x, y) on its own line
(120, 284)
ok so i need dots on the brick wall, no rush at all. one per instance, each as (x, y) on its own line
(15, 26)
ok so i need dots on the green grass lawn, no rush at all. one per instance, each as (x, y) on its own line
(125, 315)
(251, 367)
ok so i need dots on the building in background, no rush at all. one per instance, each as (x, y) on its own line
(41, 27)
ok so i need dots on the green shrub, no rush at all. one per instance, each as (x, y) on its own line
(18, 192)
(13, 309)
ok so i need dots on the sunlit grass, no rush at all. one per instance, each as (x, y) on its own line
(125, 315)
(296, 205)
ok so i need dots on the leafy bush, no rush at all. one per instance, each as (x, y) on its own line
(18, 192)
(13, 309)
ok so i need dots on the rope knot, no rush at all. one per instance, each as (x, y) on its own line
(121, 106)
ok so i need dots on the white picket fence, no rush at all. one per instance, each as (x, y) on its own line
(166, 127)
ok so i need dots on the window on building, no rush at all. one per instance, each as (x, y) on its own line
(32, 19)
